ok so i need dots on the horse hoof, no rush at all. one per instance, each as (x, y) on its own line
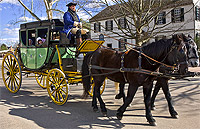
(95, 110)
(175, 116)
(153, 108)
(119, 117)
(104, 113)
(152, 123)
(118, 96)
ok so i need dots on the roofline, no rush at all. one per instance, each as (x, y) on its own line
(93, 19)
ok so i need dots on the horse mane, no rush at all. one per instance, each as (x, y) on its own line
(158, 48)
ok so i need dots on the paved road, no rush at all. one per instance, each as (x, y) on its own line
(31, 108)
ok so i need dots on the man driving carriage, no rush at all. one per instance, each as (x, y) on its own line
(72, 24)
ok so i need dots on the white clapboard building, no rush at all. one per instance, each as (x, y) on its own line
(187, 22)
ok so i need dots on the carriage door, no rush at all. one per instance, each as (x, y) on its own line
(23, 48)
(31, 50)
(41, 52)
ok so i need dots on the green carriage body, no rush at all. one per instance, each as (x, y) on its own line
(38, 58)
(54, 62)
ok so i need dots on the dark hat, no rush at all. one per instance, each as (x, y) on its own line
(71, 3)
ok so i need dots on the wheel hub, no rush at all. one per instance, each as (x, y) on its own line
(8, 73)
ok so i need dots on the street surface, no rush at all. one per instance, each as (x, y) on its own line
(31, 108)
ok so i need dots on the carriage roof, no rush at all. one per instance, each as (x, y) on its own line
(48, 23)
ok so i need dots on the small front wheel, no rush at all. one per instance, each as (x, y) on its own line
(11, 73)
(57, 86)
(41, 80)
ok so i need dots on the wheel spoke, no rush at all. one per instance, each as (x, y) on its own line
(7, 78)
(9, 82)
(17, 77)
(5, 68)
(63, 91)
(54, 81)
(16, 82)
(41, 79)
(7, 64)
(61, 95)
(52, 92)
(61, 81)
(8, 61)
(55, 95)
(44, 80)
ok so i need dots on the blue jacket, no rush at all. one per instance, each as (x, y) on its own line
(68, 24)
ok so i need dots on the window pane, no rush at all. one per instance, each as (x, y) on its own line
(23, 38)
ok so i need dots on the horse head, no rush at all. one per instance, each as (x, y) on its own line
(178, 54)
(192, 52)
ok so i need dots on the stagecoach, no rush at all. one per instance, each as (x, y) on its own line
(54, 63)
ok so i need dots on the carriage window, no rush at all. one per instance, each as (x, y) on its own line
(23, 38)
(42, 33)
(42, 36)
(31, 37)
(55, 36)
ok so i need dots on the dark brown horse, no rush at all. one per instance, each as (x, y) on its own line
(166, 51)
(162, 82)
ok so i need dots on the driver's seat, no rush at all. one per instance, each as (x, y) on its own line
(65, 40)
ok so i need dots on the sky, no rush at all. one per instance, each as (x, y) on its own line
(12, 15)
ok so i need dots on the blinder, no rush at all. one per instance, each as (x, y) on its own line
(180, 48)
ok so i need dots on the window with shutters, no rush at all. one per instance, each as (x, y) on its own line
(161, 18)
(97, 27)
(177, 15)
(122, 23)
(109, 25)
(197, 13)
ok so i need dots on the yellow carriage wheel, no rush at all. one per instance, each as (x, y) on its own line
(92, 87)
(41, 80)
(11, 72)
(57, 86)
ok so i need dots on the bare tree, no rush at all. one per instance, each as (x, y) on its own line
(48, 5)
(139, 14)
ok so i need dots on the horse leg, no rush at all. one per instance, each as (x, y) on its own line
(98, 84)
(147, 88)
(155, 92)
(121, 92)
(165, 88)
(94, 100)
(131, 92)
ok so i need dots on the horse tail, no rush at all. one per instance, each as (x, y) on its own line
(86, 77)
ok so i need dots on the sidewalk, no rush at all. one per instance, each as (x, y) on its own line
(194, 69)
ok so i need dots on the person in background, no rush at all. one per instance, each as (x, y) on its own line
(72, 24)
(39, 42)
(30, 42)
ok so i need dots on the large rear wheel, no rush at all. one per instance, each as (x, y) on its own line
(92, 87)
(11, 73)
(57, 86)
